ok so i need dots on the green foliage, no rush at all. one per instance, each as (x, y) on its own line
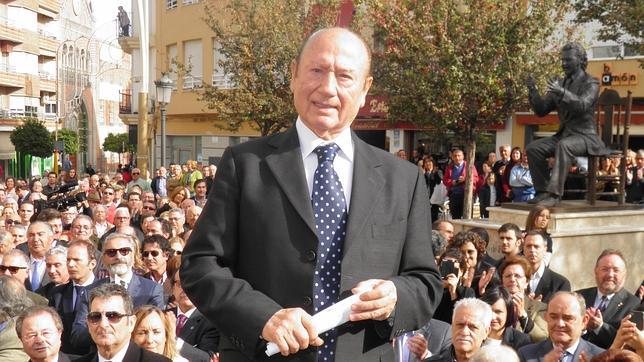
(69, 138)
(622, 20)
(32, 138)
(258, 41)
(118, 143)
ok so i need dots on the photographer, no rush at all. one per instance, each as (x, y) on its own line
(452, 266)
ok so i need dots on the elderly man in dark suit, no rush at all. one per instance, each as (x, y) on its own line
(40, 329)
(574, 100)
(300, 218)
(609, 302)
(566, 321)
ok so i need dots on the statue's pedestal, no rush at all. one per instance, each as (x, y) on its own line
(579, 232)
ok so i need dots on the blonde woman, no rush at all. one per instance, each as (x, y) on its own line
(154, 332)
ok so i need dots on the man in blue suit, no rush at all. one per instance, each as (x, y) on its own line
(118, 258)
(566, 317)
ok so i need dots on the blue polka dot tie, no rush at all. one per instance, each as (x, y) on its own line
(330, 211)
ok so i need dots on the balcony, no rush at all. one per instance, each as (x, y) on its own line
(10, 32)
(9, 77)
(125, 103)
(47, 82)
(49, 8)
(48, 43)
(192, 82)
(222, 81)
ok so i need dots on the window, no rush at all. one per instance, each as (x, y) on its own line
(170, 4)
(193, 58)
(190, 2)
(172, 67)
(632, 50)
(219, 78)
(607, 51)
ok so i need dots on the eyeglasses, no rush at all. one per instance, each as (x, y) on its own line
(136, 173)
(112, 252)
(149, 208)
(112, 317)
(108, 193)
(154, 253)
(12, 222)
(11, 269)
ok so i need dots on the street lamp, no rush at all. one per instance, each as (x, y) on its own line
(164, 92)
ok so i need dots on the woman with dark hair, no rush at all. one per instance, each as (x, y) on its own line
(433, 177)
(515, 159)
(454, 290)
(478, 274)
(502, 329)
(538, 219)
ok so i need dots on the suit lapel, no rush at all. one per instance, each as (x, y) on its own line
(544, 349)
(365, 191)
(288, 169)
(191, 323)
(614, 305)
(543, 282)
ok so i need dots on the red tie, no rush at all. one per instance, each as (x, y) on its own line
(181, 321)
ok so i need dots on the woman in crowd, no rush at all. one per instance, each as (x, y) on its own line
(71, 176)
(521, 181)
(607, 168)
(178, 195)
(433, 177)
(454, 290)
(478, 274)
(488, 196)
(514, 273)
(515, 159)
(154, 331)
(191, 175)
(538, 219)
(10, 187)
(502, 329)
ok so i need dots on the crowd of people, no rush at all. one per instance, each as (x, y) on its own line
(507, 178)
(90, 266)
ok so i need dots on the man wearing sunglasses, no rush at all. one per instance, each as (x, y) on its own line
(155, 257)
(118, 258)
(15, 264)
(108, 200)
(111, 322)
(137, 180)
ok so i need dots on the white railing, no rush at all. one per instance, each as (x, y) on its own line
(7, 22)
(46, 76)
(8, 68)
(190, 2)
(192, 82)
(222, 81)
(47, 34)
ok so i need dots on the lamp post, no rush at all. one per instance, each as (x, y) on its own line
(164, 92)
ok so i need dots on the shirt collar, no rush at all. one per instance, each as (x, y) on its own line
(127, 279)
(608, 296)
(309, 140)
(89, 281)
(118, 357)
(540, 271)
(572, 348)
(188, 314)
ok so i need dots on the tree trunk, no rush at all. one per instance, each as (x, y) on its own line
(468, 198)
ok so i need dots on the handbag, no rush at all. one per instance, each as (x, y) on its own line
(439, 196)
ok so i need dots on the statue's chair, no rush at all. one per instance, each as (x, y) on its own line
(613, 118)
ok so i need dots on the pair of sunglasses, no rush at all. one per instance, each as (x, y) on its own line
(112, 317)
(11, 269)
(154, 253)
(112, 252)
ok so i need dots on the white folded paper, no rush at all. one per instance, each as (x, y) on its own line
(325, 320)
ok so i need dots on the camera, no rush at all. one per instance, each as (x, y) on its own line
(62, 198)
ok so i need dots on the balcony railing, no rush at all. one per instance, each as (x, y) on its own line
(190, 2)
(192, 82)
(125, 103)
(9, 31)
(22, 114)
(222, 81)
(10, 77)
(46, 75)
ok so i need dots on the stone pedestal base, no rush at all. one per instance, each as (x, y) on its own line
(579, 233)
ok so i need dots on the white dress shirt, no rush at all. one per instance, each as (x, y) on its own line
(128, 278)
(536, 277)
(343, 162)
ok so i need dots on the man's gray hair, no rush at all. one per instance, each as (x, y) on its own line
(57, 250)
(83, 217)
(179, 211)
(494, 353)
(130, 238)
(480, 308)
(17, 253)
(48, 229)
(13, 298)
(122, 210)
(19, 227)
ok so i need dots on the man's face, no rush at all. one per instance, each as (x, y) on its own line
(509, 242)
(163, 171)
(40, 338)
(148, 209)
(505, 152)
(200, 189)
(154, 228)
(118, 264)
(110, 334)
(447, 230)
(154, 257)
(56, 227)
(51, 180)
(38, 240)
(69, 215)
(185, 304)
(99, 214)
(565, 320)
(79, 264)
(134, 202)
(491, 158)
(136, 173)
(26, 211)
(108, 196)
(121, 219)
(457, 157)
(570, 62)
(82, 229)
(176, 220)
(148, 197)
(19, 235)
(15, 267)
(534, 248)
(467, 331)
(57, 268)
(514, 279)
(330, 82)
(610, 274)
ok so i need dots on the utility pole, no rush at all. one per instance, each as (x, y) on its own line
(142, 131)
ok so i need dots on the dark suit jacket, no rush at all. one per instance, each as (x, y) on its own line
(143, 291)
(255, 251)
(534, 352)
(446, 355)
(619, 306)
(514, 338)
(438, 335)
(201, 338)
(134, 353)
(550, 283)
(61, 299)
